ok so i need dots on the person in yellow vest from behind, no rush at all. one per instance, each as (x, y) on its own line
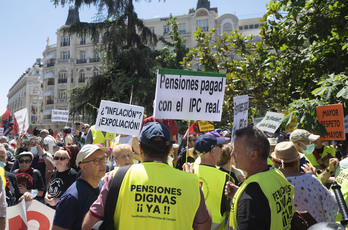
(264, 200)
(342, 180)
(152, 194)
(211, 179)
(99, 137)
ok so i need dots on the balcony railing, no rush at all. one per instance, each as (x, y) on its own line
(65, 44)
(94, 60)
(61, 101)
(50, 82)
(50, 64)
(49, 102)
(82, 79)
(80, 61)
(62, 80)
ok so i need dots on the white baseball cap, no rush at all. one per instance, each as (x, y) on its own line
(88, 150)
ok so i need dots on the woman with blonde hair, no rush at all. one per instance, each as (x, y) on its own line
(62, 177)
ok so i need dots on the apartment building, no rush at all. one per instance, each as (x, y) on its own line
(26, 93)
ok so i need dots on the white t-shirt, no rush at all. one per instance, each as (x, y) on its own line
(312, 196)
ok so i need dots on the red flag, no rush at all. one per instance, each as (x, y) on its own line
(194, 128)
(55, 134)
(6, 122)
(15, 128)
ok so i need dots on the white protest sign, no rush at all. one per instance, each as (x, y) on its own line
(346, 124)
(241, 105)
(257, 120)
(1, 131)
(271, 122)
(35, 216)
(115, 117)
(22, 120)
(189, 95)
(60, 115)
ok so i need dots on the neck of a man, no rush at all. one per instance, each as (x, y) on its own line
(163, 159)
(90, 181)
(208, 159)
(259, 166)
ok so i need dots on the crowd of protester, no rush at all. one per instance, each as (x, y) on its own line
(72, 173)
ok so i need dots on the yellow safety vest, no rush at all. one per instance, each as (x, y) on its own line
(342, 180)
(212, 182)
(157, 196)
(279, 193)
(313, 160)
(2, 175)
(98, 136)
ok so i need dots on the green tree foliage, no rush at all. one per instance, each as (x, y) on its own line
(295, 52)
(166, 57)
(129, 62)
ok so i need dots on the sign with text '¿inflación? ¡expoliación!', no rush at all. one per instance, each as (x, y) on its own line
(189, 95)
(120, 118)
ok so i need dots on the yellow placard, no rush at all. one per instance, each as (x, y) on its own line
(205, 126)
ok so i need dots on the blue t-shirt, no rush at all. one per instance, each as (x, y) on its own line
(74, 204)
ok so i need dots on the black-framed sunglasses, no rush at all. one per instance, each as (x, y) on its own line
(60, 158)
(97, 161)
(220, 146)
(24, 161)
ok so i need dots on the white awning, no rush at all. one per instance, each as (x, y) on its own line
(47, 112)
(50, 56)
(49, 75)
(47, 93)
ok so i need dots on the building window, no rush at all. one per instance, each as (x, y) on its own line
(65, 41)
(251, 26)
(82, 77)
(152, 29)
(50, 81)
(96, 39)
(203, 24)
(227, 27)
(165, 30)
(62, 94)
(66, 55)
(83, 40)
(95, 57)
(182, 28)
(95, 73)
(246, 27)
(240, 27)
(82, 57)
(63, 77)
(256, 26)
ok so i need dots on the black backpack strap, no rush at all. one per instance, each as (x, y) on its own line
(111, 199)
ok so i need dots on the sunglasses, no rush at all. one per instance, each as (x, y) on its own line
(97, 161)
(24, 161)
(220, 146)
(60, 158)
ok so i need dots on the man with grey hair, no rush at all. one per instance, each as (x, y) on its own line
(47, 140)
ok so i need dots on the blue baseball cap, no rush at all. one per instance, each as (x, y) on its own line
(155, 129)
(205, 143)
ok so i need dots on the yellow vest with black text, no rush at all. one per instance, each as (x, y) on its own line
(98, 136)
(2, 175)
(327, 150)
(157, 196)
(212, 182)
(342, 180)
(279, 193)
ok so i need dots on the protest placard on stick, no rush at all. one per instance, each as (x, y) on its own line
(271, 122)
(331, 117)
(115, 117)
(189, 95)
(241, 106)
(60, 115)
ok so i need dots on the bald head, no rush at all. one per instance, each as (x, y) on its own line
(123, 155)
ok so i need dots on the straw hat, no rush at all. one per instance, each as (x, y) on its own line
(285, 152)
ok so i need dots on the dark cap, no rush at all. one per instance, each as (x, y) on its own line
(58, 144)
(155, 129)
(205, 143)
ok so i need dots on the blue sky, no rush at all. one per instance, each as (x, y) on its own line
(27, 24)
